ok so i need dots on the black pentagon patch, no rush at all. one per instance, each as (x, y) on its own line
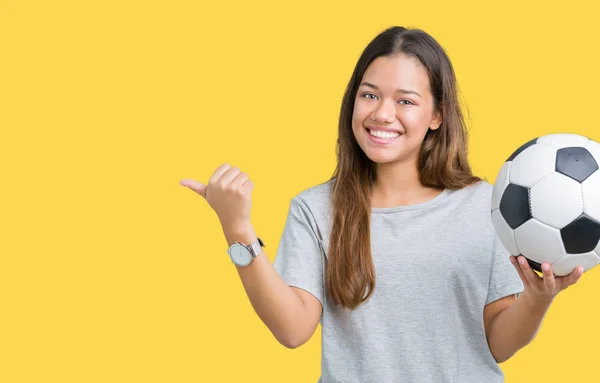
(575, 162)
(581, 236)
(514, 205)
(534, 265)
(523, 147)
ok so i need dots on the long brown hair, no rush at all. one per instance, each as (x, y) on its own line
(442, 163)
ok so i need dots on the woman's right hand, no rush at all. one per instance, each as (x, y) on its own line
(228, 193)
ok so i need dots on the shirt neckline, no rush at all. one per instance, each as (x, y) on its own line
(421, 205)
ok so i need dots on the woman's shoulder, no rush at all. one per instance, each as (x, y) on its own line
(318, 194)
(481, 188)
(478, 193)
(315, 200)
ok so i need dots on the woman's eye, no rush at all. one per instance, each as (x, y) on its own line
(371, 96)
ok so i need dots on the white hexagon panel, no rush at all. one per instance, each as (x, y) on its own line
(591, 196)
(532, 164)
(539, 242)
(569, 262)
(556, 200)
(563, 140)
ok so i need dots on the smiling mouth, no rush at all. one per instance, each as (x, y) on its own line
(383, 135)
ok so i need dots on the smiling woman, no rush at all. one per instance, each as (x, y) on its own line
(396, 255)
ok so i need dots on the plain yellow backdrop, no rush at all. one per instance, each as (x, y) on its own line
(112, 272)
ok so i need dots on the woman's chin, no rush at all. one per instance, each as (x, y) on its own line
(380, 158)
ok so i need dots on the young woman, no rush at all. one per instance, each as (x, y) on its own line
(396, 255)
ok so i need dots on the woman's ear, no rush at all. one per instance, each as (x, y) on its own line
(436, 122)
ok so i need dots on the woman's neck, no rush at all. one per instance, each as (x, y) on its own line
(398, 184)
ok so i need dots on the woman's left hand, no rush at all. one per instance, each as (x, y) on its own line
(543, 289)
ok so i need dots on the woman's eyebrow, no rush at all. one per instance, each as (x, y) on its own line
(368, 84)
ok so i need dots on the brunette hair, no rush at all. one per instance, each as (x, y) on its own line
(442, 162)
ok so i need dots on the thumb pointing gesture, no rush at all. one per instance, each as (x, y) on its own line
(196, 186)
(230, 195)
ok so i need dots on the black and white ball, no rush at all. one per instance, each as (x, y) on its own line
(546, 202)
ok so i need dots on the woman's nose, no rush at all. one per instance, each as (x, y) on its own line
(384, 112)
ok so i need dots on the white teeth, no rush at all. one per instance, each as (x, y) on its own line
(381, 134)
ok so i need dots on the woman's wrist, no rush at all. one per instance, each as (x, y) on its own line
(241, 232)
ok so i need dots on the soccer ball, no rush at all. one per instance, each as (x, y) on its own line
(546, 202)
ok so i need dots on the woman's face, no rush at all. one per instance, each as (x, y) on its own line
(394, 103)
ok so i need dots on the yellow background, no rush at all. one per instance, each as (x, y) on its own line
(112, 272)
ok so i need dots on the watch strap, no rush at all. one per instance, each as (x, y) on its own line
(255, 247)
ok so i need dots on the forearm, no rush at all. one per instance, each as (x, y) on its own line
(515, 327)
(280, 309)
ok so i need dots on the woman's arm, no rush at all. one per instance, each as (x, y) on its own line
(290, 313)
(511, 324)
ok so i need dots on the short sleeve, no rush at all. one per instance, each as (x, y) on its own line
(300, 259)
(504, 279)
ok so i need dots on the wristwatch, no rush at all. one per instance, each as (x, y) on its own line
(242, 255)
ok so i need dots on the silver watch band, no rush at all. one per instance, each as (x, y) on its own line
(255, 247)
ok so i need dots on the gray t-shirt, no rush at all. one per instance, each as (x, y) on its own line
(437, 265)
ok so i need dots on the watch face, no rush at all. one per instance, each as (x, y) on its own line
(240, 255)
